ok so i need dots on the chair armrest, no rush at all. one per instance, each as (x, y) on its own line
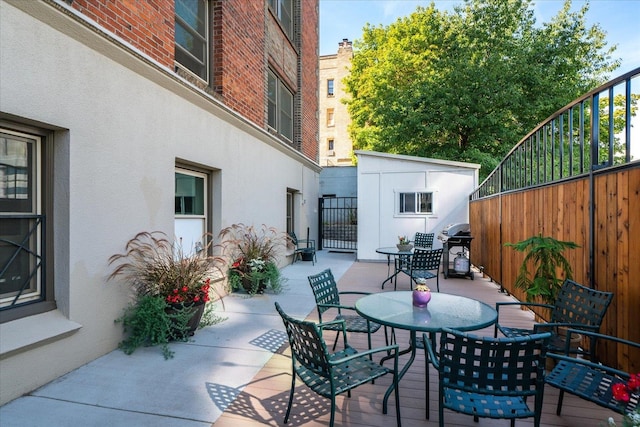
(323, 325)
(524, 304)
(542, 327)
(353, 293)
(338, 306)
(389, 349)
(600, 336)
(311, 242)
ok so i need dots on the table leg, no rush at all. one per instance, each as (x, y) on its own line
(405, 368)
(389, 276)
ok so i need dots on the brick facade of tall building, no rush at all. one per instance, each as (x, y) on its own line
(247, 39)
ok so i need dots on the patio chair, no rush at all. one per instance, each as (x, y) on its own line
(325, 291)
(304, 249)
(592, 381)
(576, 307)
(425, 264)
(331, 374)
(423, 240)
(420, 240)
(489, 377)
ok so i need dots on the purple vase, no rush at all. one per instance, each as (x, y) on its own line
(421, 298)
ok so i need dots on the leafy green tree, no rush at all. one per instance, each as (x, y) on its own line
(469, 84)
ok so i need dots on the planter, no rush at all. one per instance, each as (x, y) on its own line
(404, 248)
(421, 298)
(192, 325)
(251, 287)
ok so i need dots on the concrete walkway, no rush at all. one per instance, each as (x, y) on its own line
(193, 388)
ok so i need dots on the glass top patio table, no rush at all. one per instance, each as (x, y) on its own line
(393, 251)
(395, 309)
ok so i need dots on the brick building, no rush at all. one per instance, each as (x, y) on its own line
(121, 116)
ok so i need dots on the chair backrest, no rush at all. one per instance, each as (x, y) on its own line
(496, 366)
(325, 290)
(426, 259)
(293, 237)
(580, 305)
(423, 240)
(307, 345)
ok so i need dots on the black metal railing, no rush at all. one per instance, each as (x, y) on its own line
(590, 133)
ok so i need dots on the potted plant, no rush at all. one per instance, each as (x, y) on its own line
(551, 268)
(171, 290)
(253, 254)
(404, 245)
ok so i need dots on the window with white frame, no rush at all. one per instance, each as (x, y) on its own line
(283, 9)
(280, 107)
(190, 209)
(192, 36)
(415, 202)
(22, 219)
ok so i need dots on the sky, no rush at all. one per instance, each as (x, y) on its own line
(620, 20)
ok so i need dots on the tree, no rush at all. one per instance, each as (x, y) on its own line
(468, 85)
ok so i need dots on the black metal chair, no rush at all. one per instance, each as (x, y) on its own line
(425, 264)
(576, 307)
(325, 291)
(331, 374)
(489, 377)
(420, 240)
(304, 249)
(423, 240)
(589, 380)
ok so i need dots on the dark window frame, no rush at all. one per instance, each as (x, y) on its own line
(44, 179)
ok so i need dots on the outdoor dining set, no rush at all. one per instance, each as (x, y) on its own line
(501, 376)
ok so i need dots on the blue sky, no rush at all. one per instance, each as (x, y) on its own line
(620, 19)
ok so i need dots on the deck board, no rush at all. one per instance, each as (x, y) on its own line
(264, 400)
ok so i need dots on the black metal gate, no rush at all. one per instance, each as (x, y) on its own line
(338, 228)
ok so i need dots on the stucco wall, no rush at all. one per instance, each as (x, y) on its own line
(120, 126)
(381, 176)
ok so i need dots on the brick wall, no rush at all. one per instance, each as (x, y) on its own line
(309, 79)
(247, 38)
(240, 73)
(146, 24)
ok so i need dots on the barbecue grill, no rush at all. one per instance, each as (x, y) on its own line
(456, 239)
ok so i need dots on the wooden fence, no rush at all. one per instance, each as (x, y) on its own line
(609, 254)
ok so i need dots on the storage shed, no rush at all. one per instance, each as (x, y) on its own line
(400, 195)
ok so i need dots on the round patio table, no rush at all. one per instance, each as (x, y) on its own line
(395, 309)
(392, 251)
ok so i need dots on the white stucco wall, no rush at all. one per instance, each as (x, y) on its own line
(382, 176)
(121, 125)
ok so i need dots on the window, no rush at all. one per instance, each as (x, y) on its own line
(330, 145)
(290, 211)
(330, 117)
(416, 203)
(190, 208)
(280, 108)
(22, 218)
(283, 9)
(191, 48)
(330, 87)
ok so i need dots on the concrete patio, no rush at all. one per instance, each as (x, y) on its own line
(237, 373)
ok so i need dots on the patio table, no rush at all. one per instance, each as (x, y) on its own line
(392, 251)
(395, 309)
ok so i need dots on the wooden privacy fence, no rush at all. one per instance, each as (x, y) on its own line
(574, 178)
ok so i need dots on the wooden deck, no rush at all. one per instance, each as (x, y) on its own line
(264, 400)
